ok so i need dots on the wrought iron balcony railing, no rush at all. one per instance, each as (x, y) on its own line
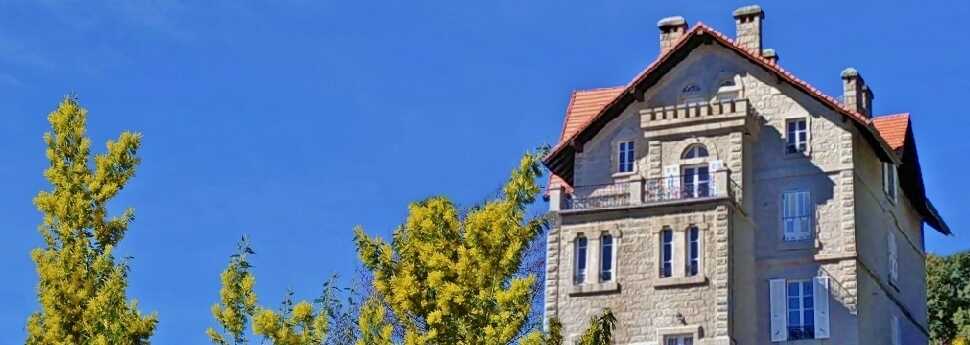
(642, 192)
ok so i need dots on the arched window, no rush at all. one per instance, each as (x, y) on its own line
(694, 151)
(691, 93)
(728, 87)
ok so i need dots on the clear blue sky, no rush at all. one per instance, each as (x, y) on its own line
(293, 122)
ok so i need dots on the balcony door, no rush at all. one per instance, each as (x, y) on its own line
(696, 181)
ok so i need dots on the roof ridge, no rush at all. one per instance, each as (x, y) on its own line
(565, 120)
(605, 88)
(888, 116)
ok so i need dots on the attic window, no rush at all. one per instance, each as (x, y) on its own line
(691, 93)
(728, 89)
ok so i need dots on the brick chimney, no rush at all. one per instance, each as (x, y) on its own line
(856, 95)
(671, 30)
(749, 21)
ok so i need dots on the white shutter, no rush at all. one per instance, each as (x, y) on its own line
(670, 175)
(712, 168)
(893, 256)
(821, 293)
(779, 310)
(896, 331)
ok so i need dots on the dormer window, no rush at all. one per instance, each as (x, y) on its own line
(625, 157)
(728, 87)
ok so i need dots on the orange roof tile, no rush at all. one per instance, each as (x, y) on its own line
(893, 128)
(583, 106)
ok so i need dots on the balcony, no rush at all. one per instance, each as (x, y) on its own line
(643, 192)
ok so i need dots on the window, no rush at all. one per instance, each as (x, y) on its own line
(625, 157)
(696, 181)
(797, 135)
(678, 340)
(666, 253)
(694, 151)
(801, 310)
(606, 258)
(693, 250)
(893, 257)
(889, 175)
(581, 259)
(728, 90)
(691, 93)
(796, 216)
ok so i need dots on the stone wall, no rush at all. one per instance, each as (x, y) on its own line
(643, 307)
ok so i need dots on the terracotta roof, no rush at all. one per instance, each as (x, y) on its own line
(893, 128)
(701, 29)
(583, 106)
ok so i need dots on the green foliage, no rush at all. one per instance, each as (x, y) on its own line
(237, 298)
(373, 324)
(450, 279)
(81, 286)
(295, 323)
(599, 332)
(948, 297)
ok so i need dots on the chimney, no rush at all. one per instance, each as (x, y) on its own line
(770, 55)
(671, 30)
(749, 20)
(856, 95)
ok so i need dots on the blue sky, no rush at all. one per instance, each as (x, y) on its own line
(292, 121)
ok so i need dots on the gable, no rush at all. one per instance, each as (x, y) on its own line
(560, 159)
(592, 110)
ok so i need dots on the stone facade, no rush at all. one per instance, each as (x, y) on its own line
(742, 248)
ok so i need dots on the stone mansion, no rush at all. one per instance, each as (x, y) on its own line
(718, 199)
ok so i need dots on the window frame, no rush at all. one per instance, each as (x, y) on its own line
(695, 189)
(890, 181)
(626, 158)
(699, 151)
(611, 261)
(788, 137)
(666, 253)
(893, 254)
(581, 243)
(693, 251)
(810, 216)
(801, 298)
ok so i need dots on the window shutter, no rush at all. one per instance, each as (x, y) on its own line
(885, 178)
(713, 167)
(670, 175)
(821, 293)
(897, 333)
(893, 256)
(779, 310)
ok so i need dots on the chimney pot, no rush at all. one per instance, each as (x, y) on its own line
(770, 54)
(748, 21)
(856, 95)
(671, 30)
